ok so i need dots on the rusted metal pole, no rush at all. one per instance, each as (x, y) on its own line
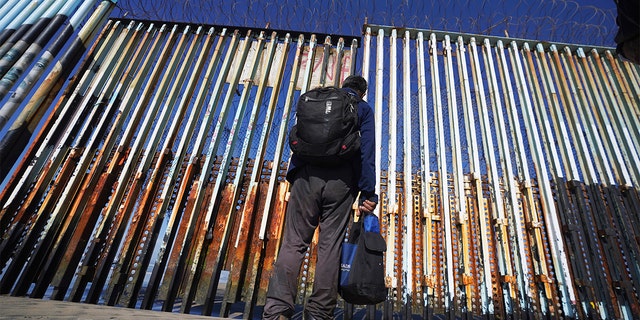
(394, 270)
(459, 210)
(443, 182)
(486, 303)
(425, 179)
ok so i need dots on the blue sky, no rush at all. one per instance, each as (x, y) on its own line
(589, 22)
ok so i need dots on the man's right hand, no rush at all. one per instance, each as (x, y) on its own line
(367, 206)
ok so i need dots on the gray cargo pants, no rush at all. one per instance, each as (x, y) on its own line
(319, 196)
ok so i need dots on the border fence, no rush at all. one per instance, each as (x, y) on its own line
(154, 179)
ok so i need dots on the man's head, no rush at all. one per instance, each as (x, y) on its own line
(357, 83)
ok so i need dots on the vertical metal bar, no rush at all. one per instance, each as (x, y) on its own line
(337, 74)
(425, 176)
(326, 53)
(353, 57)
(366, 59)
(378, 105)
(459, 210)
(476, 174)
(393, 269)
(408, 247)
(308, 69)
(443, 183)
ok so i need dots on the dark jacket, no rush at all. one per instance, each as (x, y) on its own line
(364, 167)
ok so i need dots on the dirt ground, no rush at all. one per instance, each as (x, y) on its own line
(27, 308)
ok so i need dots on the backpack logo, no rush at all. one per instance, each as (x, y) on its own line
(327, 108)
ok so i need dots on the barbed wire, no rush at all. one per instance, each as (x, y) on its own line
(546, 20)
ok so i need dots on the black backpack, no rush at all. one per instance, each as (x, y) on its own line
(362, 279)
(326, 132)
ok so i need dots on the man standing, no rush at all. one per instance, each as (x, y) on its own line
(321, 196)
